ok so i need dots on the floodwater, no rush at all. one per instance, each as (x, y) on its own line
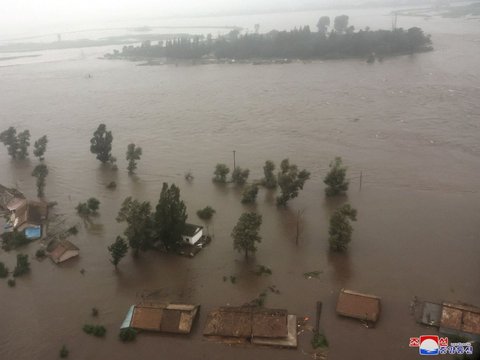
(410, 125)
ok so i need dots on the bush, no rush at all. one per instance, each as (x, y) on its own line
(40, 253)
(95, 330)
(11, 282)
(94, 312)
(127, 335)
(221, 172)
(3, 271)
(206, 213)
(64, 352)
(319, 340)
(73, 230)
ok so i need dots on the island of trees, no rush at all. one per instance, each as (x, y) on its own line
(339, 40)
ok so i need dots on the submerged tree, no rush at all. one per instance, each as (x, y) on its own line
(245, 233)
(23, 266)
(240, 176)
(340, 230)
(291, 181)
(133, 153)
(138, 216)
(270, 180)
(88, 208)
(335, 179)
(170, 217)
(40, 172)
(101, 144)
(118, 250)
(250, 194)
(221, 172)
(40, 146)
(10, 140)
(23, 144)
(206, 213)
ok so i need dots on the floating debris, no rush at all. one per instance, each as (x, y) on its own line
(312, 275)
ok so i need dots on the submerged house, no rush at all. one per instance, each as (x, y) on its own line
(166, 318)
(192, 233)
(451, 319)
(62, 250)
(9, 198)
(358, 306)
(460, 320)
(260, 326)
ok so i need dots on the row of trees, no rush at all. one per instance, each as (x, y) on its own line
(246, 235)
(340, 41)
(289, 179)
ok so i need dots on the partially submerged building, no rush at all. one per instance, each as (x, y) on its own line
(460, 320)
(260, 326)
(192, 233)
(358, 306)
(62, 250)
(9, 198)
(166, 318)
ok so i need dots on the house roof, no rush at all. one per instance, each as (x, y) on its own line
(191, 229)
(463, 318)
(56, 248)
(7, 195)
(34, 213)
(245, 322)
(170, 318)
(359, 306)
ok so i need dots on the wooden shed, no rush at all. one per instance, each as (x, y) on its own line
(359, 306)
(461, 320)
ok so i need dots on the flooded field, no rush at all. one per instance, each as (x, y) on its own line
(410, 125)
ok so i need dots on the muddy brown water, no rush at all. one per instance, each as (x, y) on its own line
(409, 124)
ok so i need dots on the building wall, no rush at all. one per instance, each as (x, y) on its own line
(192, 240)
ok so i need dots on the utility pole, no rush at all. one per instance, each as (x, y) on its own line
(234, 165)
(361, 178)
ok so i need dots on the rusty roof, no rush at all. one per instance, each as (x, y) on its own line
(245, 322)
(358, 305)
(170, 318)
(56, 248)
(464, 318)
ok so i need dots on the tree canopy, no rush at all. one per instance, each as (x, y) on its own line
(270, 180)
(101, 144)
(240, 176)
(336, 178)
(118, 249)
(170, 217)
(245, 233)
(40, 172)
(206, 213)
(220, 173)
(340, 230)
(133, 153)
(291, 181)
(40, 146)
(17, 144)
(138, 216)
(249, 195)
